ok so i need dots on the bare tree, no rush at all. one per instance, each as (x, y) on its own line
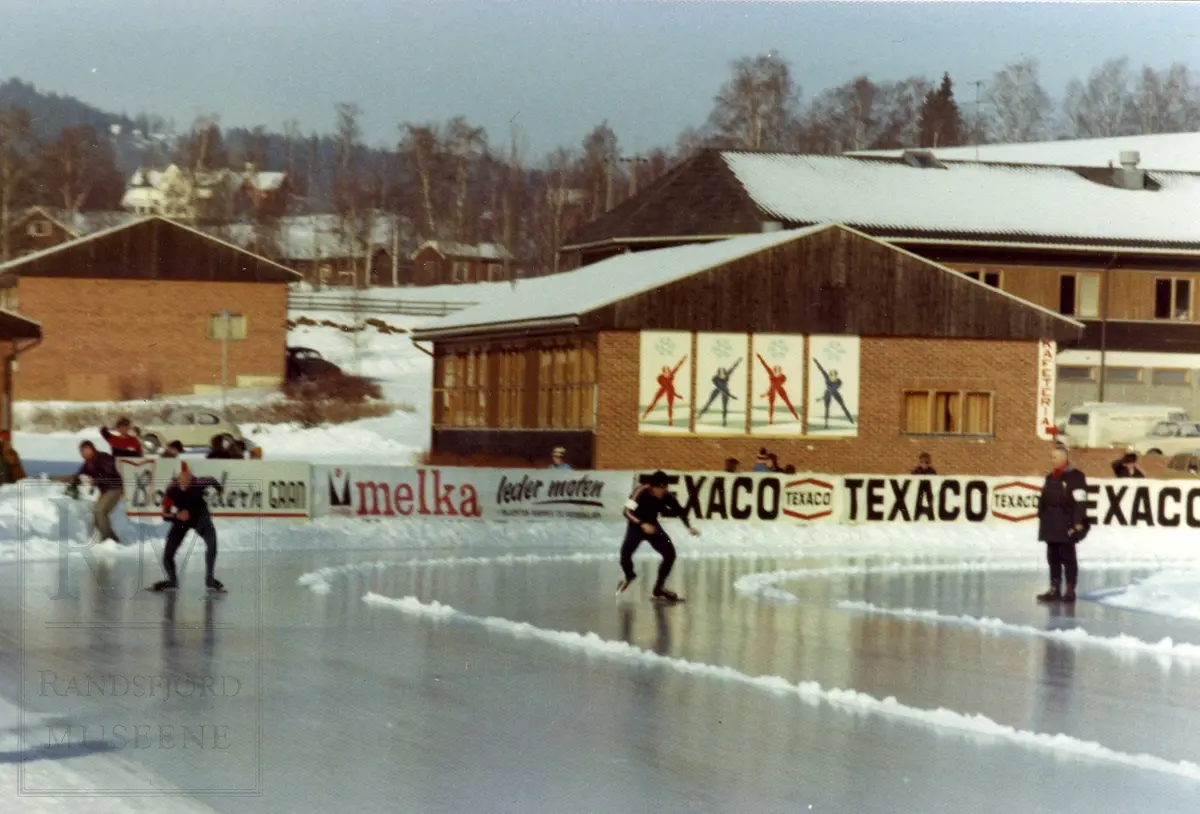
(601, 150)
(465, 143)
(555, 196)
(1103, 105)
(757, 108)
(513, 198)
(1167, 101)
(422, 146)
(77, 166)
(355, 220)
(17, 148)
(1021, 108)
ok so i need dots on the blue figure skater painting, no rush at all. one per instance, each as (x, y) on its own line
(721, 390)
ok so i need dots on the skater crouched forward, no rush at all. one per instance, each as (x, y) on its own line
(643, 510)
(187, 510)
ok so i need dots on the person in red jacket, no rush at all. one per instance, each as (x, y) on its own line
(124, 442)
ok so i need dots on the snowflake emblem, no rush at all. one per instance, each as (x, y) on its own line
(665, 346)
(722, 349)
(777, 349)
(834, 351)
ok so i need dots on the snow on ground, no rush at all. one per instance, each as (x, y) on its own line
(1170, 593)
(471, 292)
(397, 439)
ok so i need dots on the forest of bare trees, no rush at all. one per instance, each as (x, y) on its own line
(452, 180)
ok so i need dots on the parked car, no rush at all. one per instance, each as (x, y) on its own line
(306, 363)
(1183, 465)
(1106, 425)
(194, 428)
(1169, 438)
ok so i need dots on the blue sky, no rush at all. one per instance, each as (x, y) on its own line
(650, 68)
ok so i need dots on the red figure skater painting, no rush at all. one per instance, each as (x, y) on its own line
(666, 387)
(775, 390)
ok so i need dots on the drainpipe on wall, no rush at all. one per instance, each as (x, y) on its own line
(9, 360)
(1104, 324)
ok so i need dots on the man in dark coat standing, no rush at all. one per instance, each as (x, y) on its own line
(1062, 522)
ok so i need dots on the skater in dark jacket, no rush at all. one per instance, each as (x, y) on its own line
(643, 510)
(925, 465)
(1126, 467)
(185, 507)
(102, 469)
(1062, 522)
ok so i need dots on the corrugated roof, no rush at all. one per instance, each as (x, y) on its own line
(966, 198)
(481, 251)
(1163, 151)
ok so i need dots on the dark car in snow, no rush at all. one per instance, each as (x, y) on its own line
(306, 363)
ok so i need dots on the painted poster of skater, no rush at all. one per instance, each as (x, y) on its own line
(665, 382)
(833, 384)
(721, 377)
(777, 385)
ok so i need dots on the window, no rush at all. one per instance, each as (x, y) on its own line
(39, 228)
(1169, 376)
(1123, 375)
(1079, 294)
(1173, 298)
(459, 272)
(494, 271)
(947, 412)
(1075, 373)
(991, 278)
(207, 419)
(8, 299)
(237, 327)
(529, 385)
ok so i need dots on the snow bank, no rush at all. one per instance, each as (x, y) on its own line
(809, 692)
(1074, 636)
(1168, 594)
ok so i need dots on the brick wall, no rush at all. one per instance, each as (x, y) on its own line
(106, 338)
(888, 367)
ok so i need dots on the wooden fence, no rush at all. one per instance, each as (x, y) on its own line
(348, 304)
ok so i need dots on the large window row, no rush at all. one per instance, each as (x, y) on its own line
(516, 386)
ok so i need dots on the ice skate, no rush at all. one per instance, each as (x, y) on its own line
(214, 585)
(624, 583)
(1052, 595)
(164, 585)
(666, 597)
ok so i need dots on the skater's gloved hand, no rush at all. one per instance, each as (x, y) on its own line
(649, 528)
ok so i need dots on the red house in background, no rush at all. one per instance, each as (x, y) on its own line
(442, 263)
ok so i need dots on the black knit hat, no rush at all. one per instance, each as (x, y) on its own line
(659, 478)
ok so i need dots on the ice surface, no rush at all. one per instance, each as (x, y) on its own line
(464, 666)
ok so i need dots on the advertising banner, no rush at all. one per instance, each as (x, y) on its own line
(665, 383)
(1047, 374)
(777, 386)
(252, 488)
(755, 497)
(467, 493)
(721, 377)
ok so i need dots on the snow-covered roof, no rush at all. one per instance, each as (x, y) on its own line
(481, 251)
(317, 237)
(563, 297)
(967, 198)
(1165, 151)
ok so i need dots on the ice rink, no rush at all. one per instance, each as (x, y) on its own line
(504, 678)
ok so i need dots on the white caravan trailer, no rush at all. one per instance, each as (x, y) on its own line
(1106, 425)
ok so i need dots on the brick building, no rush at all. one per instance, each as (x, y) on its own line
(929, 359)
(134, 312)
(1116, 247)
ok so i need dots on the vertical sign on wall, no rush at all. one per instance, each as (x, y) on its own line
(834, 384)
(721, 384)
(777, 385)
(665, 382)
(1047, 371)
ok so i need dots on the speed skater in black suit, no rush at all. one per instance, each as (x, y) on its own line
(643, 510)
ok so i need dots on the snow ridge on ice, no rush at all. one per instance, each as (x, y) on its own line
(810, 692)
(1074, 636)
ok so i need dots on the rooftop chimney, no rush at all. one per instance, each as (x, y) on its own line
(1129, 176)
